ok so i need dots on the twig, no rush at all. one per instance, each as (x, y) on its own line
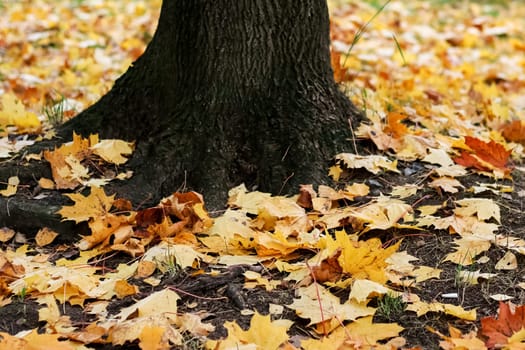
(318, 297)
(194, 295)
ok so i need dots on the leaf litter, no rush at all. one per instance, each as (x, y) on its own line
(432, 215)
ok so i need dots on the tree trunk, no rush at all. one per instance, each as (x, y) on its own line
(228, 91)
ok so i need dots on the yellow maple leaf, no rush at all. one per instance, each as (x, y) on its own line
(230, 223)
(426, 210)
(274, 244)
(66, 168)
(165, 255)
(404, 191)
(13, 112)
(50, 313)
(113, 151)
(360, 259)
(383, 214)
(469, 246)
(239, 197)
(447, 184)
(319, 305)
(34, 341)
(96, 204)
(484, 208)
(262, 334)
(361, 331)
(161, 302)
(362, 290)
(458, 340)
(423, 273)
(137, 328)
(421, 308)
(438, 156)
(372, 163)
(458, 224)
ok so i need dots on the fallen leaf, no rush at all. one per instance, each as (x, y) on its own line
(46, 184)
(472, 277)
(133, 329)
(45, 236)
(447, 184)
(498, 331)
(34, 341)
(484, 208)
(459, 341)
(328, 269)
(262, 334)
(150, 338)
(14, 113)
(514, 131)
(372, 163)
(6, 234)
(12, 186)
(112, 151)
(507, 262)
(124, 289)
(360, 259)
(421, 308)
(501, 297)
(96, 204)
(485, 156)
(404, 191)
(362, 290)
(438, 156)
(361, 331)
(161, 302)
(319, 305)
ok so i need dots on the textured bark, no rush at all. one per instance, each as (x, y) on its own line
(228, 91)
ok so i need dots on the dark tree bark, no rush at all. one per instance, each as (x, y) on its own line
(228, 91)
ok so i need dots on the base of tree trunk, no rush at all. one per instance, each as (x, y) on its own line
(263, 147)
(243, 94)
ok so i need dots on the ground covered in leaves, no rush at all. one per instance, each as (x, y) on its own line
(421, 244)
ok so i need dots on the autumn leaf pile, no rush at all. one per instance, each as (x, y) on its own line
(441, 87)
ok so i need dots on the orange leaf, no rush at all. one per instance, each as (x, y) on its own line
(45, 236)
(485, 156)
(151, 338)
(339, 71)
(124, 289)
(395, 127)
(514, 131)
(510, 321)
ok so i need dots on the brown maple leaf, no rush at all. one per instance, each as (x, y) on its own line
(329, 269)
(511, 319)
